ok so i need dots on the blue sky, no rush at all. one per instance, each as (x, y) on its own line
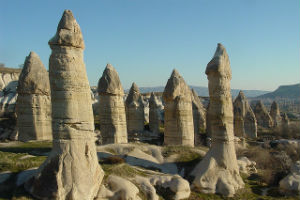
(145, 40)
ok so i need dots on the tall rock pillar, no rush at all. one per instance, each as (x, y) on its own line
(134, 112)
(262, 115)
(154, 114)
(71, 171)
(179, 126)
(111, 107)
(218, 172)
(34, 102)
(275, 114)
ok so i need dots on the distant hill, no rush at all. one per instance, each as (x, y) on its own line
(284, 91)
(203, 91)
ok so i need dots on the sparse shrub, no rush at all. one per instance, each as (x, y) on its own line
(113, 160)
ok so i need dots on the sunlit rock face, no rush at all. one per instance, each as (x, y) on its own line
(154, 114)
(134, 107)
(179, 126)
(71, 171)
(34, 102)
(218, 172)
(262, 115)
(112, 117)
(245, 124)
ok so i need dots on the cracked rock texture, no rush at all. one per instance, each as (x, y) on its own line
(134, 107)
(33, 107)
(218, 172)
(245, 124)
(179, 126)
(275, 114)
(112, 115)
(71, 171)
(262, 115)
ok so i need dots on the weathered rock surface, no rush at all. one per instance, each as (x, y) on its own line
(71, 171)
(154, 114)
(245, 124)
(291, 183)
(112, 116)
(285, 122)
(262, 115)
(134, 112)
(8, 91)
(199, 116)
(34, 102)
(275, 114)
(218, 172)
(246, 166)
(179, 126)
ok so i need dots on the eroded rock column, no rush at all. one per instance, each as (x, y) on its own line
(262, 115)
(275, 114)
(179, 126)
(71, 171)
(245, 124)
(134, 112)
(154, 114)
(111, 107)
(199, 116)
(34, 101)
(218, 172)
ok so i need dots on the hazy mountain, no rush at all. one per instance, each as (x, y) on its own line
(284, 91)
(203, 91)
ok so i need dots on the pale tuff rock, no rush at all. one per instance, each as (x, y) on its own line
(34, 103)
(291, 183)
(285, 121)
(199, 116)
(8, 93)
(275, 114)
(71, 171)
(146, 187)
(218, 172)
(179, 126)
(245, 124)
(262, 115)
(154, 114)
(246, 166)
(112, 115)
(134, 112)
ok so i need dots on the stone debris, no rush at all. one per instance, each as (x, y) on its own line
(275, 114)
(262, 115)
(291, 183)
(218, 172)
(179, 126)
(134, 112)
(112, 116)
(34, 102)
(246, 166)
(71, 171)
(245, 124)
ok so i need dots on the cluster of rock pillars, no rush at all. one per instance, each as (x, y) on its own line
(57, 106)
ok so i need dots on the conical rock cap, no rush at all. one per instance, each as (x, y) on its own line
(134, 94)
(34, 78)
(110, 82)
(68, 32)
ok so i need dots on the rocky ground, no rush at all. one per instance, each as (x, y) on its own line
(139, 170)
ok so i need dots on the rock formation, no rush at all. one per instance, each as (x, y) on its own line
(154, 114)
(262, 115)
(34, 103)
(291, 183)
(245, 124)
(179, 126)
(275, 114)
(285, 122)
(199, 116)
(8, 90)
(134, 112)
(218, 172)
(112, 115)
(71, 171)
